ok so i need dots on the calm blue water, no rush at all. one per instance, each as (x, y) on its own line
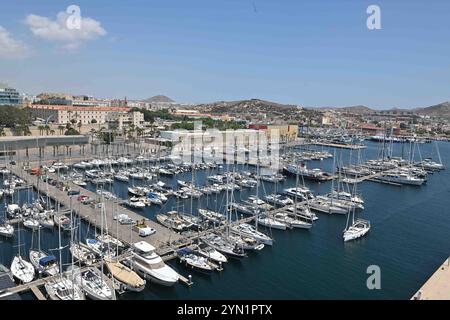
(409, 239)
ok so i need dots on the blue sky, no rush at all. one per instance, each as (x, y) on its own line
(312, 53)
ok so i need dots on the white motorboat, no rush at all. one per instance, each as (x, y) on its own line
(195, 261)
(80, 183)
(138, 191)
(302, 193)
(122, 177)
(135, 203)
(13, 210)
(149, 265)
(279, 199)
(401, 178)
(6, 230)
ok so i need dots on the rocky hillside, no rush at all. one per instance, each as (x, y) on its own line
(159, 99)
(439, 110)
(252, 106)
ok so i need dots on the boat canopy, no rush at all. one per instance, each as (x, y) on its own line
(47, 260)
(144, 246)
(184, 251)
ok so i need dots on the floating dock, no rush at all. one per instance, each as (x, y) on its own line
(340, 146)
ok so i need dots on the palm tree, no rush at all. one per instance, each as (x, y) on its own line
(2, 132)
(52, 132)
(41, 129)
(139, 132)
(61, 129)
(47, 129)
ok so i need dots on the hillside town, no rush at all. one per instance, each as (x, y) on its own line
(68, 114)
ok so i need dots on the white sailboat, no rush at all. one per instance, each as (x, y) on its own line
(357, 229)
(94, 284)
(21, 269)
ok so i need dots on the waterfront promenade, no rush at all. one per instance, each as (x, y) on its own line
(437, 286)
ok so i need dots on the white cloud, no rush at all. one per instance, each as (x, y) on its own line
(57, 30)
(10, 47)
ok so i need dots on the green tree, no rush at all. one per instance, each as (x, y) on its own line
(71, 132)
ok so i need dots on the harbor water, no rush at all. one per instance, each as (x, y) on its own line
(408, 240)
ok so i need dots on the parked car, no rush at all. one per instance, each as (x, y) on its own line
(72, 192)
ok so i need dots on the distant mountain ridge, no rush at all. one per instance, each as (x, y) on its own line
(159, 99)
(246, 106)
(438, 110)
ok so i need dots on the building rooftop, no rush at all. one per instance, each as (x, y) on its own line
(75, 108)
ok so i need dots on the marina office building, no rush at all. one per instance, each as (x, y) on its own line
(9, 96)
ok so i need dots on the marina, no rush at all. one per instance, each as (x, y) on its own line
(101, 202)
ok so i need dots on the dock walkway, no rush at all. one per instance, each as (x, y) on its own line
(124, 233)
(437, 286)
